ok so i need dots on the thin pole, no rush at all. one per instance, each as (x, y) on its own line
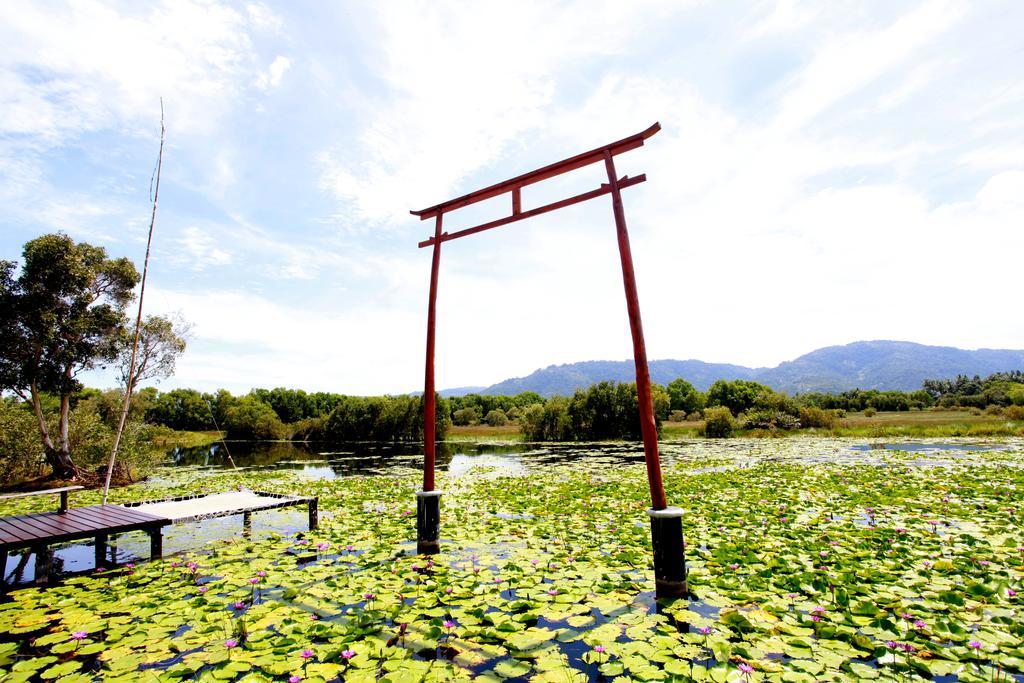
(130, 380)
(222, 441)
(643, 376)
(429, 403)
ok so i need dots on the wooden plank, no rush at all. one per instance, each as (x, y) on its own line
(93, 521)
(26, 527)
(107, 521)
(26, 494)
(12, 534)
(116, 514)
(561, 204)
(73, 519)
(58, 520)
(117, 519)
(77, 524)
(137, 515)
(104, 516)
(44, 528)
(549, 171)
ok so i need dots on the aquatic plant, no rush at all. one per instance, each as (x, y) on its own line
(549, 578)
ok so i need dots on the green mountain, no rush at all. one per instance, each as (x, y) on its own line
(882, 365)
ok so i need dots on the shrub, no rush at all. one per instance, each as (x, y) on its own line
(769, 420)
(1014, 412)
(547, 422)
(995, 410)
(677, 416)
(382, 418)
(683, 396)
(718, 423)
(253, 420)
(739, 395)
(818, 418)
(465, 416)
(496, 418)
(870, 412)
(21, 451)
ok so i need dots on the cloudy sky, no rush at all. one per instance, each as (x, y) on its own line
(827, 172)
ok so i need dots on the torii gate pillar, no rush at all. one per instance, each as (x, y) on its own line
(666, 522)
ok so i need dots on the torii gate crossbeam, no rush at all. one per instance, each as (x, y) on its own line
(666, 526)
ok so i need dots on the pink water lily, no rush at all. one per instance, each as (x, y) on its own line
(79, 635)
(307, 654)
(348, 654)
(230, 643)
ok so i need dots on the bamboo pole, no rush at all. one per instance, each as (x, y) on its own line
(130, 382)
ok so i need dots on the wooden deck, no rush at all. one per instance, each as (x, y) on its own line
(40, 530)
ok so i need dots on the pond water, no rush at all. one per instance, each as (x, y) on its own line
(322, 461)
(562, 558)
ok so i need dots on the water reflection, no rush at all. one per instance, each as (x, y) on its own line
(332, 461)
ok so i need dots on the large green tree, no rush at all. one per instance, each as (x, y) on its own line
(63, 313)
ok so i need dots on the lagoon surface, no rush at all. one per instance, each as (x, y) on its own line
(317, 462)
(810, 558)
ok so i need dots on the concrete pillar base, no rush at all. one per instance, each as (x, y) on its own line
(669, 553)
(428, 522)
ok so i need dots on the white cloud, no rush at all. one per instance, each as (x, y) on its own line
(81, 66)
(271, 78)
(846, 63)
(200, 250)
(464, 82)
(241, 340)
(862, 179)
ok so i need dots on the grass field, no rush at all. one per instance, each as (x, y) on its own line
(915, 423)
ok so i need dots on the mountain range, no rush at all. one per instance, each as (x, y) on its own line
(882, 365)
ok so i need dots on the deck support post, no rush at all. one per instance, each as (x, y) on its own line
(246, 524)
(428, 522)
(63, 502)
(3, 569)
(156, 543)
(669, 553)
(42, 553)
(100, 548)
(314, 513)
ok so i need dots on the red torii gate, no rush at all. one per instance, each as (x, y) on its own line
(666, 524)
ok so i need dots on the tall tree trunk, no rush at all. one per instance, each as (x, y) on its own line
(59, 459)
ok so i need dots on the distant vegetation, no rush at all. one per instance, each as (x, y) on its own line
(279, 414)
